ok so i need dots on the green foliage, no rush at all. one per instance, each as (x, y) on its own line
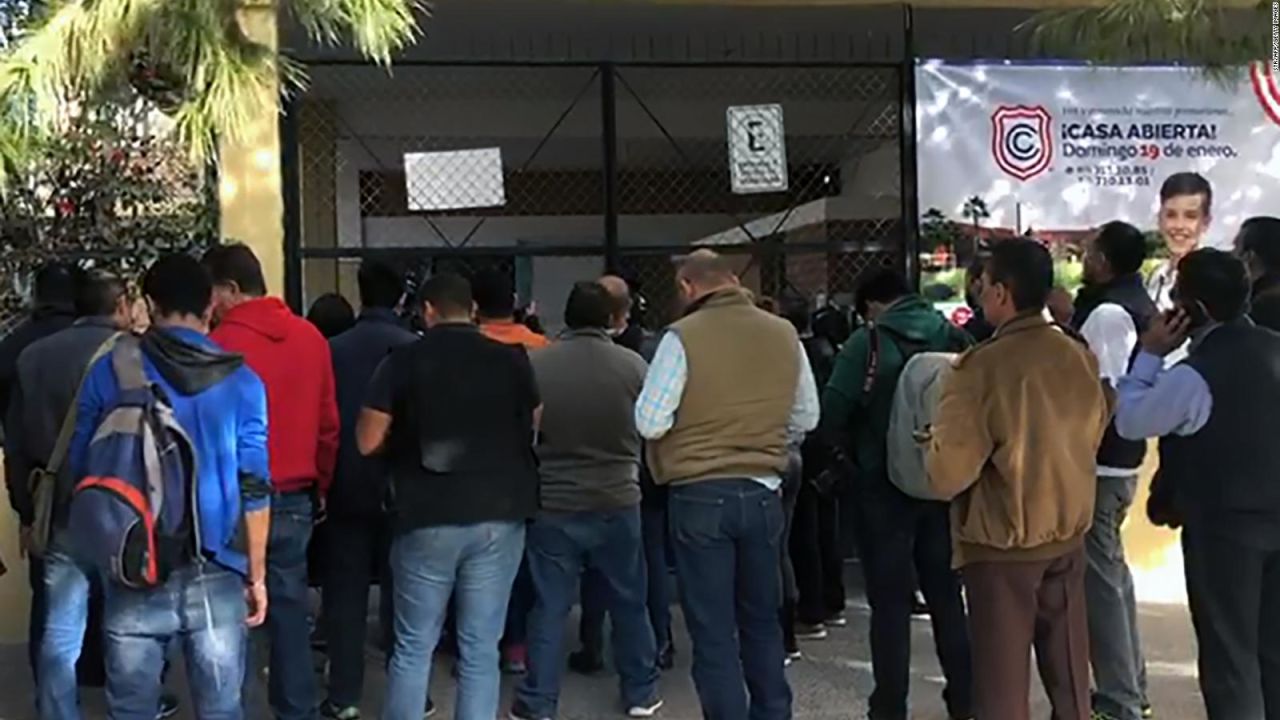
(105, 192)
(938, 231)
(1220, 35)
(190, 57)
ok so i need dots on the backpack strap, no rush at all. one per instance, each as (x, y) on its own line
(63, 443)
(126, 360)
(907, 346)
(873, 359)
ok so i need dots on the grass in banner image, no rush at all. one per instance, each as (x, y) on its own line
(952, 251)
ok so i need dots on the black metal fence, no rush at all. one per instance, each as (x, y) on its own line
(617, 167)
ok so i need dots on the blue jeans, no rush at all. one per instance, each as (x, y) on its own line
(200, 606)
(62, 636)
(291, 683)
(727, 536)
(595, 593)
(560, 547)
(427, 566)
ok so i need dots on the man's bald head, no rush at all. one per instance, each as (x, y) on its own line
(620, 292)
(703, 272)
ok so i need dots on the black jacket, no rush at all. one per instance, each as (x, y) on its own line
(47, 377)
(359, 483)
(44, 321)
(1225, 478)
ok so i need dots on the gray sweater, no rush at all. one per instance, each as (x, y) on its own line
(588, 448)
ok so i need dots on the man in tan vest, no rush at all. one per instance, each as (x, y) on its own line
(728, 384)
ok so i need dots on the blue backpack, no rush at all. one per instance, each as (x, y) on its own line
(132, 515)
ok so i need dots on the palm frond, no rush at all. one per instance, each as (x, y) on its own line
(190, 56)
(378, 28)
(1219, 35)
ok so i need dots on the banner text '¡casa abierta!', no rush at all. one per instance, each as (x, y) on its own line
(1139, 131)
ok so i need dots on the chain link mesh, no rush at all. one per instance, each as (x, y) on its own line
(540, 211)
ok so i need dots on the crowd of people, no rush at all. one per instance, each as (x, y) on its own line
(489, 478)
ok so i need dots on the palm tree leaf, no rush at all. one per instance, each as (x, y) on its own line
(1219, 35)
(378, 28)
(211, 77)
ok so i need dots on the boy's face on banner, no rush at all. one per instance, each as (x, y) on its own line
(1183, 222)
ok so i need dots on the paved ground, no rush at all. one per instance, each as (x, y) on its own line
(831, 683)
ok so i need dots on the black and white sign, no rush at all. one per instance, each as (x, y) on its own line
(757, 149)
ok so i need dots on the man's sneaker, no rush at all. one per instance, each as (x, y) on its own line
(585, 662)
(168, 706)
(520, 712)
(332, 711)
(792, 656)
(430, 710)
(647, 710)
(837, 621)
(805, 631)
(1148, 712)
(514, 660)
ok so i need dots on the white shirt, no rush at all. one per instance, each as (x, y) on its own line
(1160, 289)
(1112, 336)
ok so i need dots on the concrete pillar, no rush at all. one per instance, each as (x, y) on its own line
(15, 594)
(252, 202)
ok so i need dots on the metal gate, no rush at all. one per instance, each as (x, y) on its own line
(618, 167)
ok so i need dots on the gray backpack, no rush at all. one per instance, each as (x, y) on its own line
(914, 402)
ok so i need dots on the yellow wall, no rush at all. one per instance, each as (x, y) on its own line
(15, 595)
(251, 192)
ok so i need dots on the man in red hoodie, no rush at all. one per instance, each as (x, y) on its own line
(292, 358)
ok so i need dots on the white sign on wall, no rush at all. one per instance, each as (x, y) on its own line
(1070, 147)
(757, 149)
(454, 180)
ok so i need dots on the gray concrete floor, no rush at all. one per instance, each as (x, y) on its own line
(831, 683)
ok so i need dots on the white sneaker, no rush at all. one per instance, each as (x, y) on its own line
(645, 711)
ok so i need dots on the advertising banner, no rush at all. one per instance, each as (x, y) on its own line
(1054, 150)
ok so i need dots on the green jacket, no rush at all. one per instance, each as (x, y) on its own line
(859, 421)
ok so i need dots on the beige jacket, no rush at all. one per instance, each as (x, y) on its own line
(1014, 442)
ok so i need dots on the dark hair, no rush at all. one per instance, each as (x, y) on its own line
(331, 314)
(380, 285)
(178, 285)
(494, 294)
(882, 286)
(796, 310)
(1217, 280)
(447, 292)
(98, 292)
(1187, 183)
(236, 263)
(1260, 237)
(1123, 245)
(54, 284)
(1025, 267)
(590, 306)
(833, 324)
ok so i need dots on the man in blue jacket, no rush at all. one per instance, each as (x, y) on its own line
(359, 531)
(210, 600)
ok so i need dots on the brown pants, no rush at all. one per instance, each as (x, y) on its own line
(1014, 606)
